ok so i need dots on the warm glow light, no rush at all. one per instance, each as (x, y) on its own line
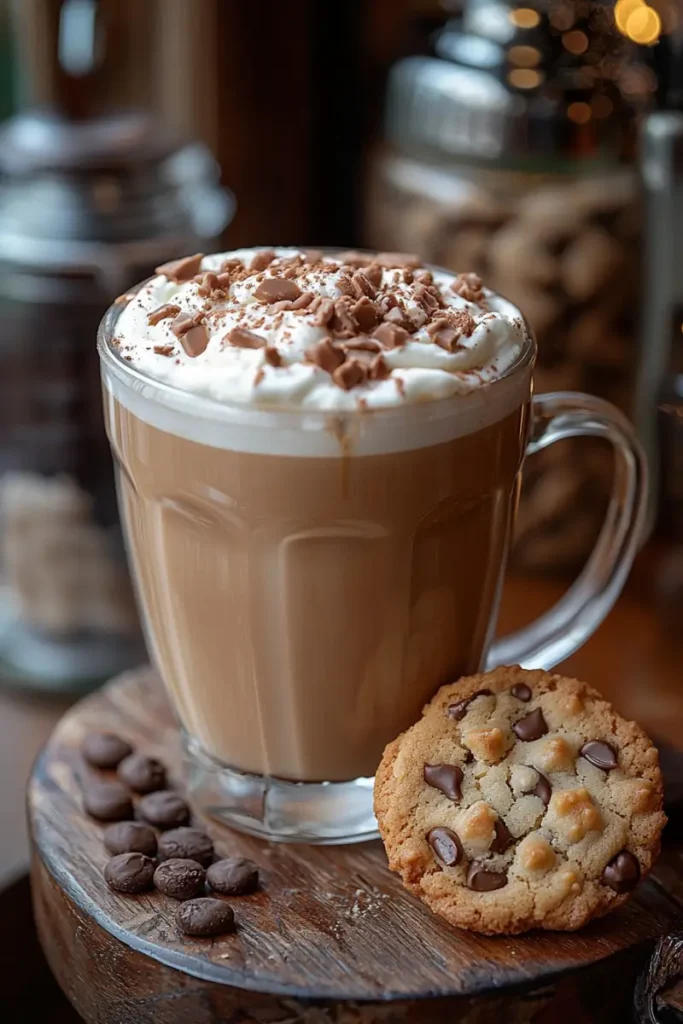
(524, 56)
(623, 11)
(575, 42)
(562, 18)
(524, 78)
(524, 17)
(601, 106)
(644, 26)
(579, 113)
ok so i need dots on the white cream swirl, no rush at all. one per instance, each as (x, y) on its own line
(418, 370)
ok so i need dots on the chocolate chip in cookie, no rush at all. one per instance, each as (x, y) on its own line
(446, 778)
(531, 727)
(601, 754)
(622, 873)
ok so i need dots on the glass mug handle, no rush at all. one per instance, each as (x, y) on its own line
(568, 624)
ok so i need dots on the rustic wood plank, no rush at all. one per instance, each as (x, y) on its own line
(329, 924)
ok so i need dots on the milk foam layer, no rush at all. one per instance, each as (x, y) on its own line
(241, 385)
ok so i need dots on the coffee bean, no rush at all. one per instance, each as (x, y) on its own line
(503, 837)
(600, 754)
(205, 917)
(532, 727)
(459, 709)
(186, 843)
(180, 878)
(446, 845)
(105, 749)
(445, 777)
(233, 876)
(108, 801)
(130, 837)
(130, 873)
(481, 880)
(143, 774)
(521, 691)
(622, 873)
(164, 809)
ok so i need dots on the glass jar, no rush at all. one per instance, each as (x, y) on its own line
(477, 174)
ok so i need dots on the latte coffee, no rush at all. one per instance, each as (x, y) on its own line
(318, 463)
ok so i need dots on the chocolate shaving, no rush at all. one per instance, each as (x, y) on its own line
(391, 336)
(164, 350)
(378, 369)
(195, 340)
(272, 356)
(326, 355)
(365, 313)
(303, 302)
(324, 313)
(275, 289)
(374, 274)
(350, 374)
(362, 285)
(240, 337)
(447, 338)
(353, 258)
(398, 260)
(426, 298)
(343, 324)
(312, 256)
(261, 260)
(362, 344)
(209, 284)
(162, 313)
(345, 286)
(424, 276)
(399, 318)
(386, 303)
(468, 287)
(183, 269)
(182, 324)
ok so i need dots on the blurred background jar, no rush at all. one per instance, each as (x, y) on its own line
(91, 200)
(509, 150)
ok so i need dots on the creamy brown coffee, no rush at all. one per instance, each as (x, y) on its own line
(312, 571)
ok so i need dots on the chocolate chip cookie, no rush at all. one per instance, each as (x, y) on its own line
(520, 800)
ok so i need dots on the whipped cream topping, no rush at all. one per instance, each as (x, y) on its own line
(288, 328)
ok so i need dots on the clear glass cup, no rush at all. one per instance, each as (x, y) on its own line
(308, 581)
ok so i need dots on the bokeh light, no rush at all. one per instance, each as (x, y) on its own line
(524, 78)
(579, 113)
(524, 56)
(524, 17)
(638, 21)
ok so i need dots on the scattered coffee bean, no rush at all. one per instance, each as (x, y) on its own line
(130, 837)
(446, 845)
(521, 691)
(532, 727)
(143, 774)
(105, 749)
(622, 873)
(600, 754)
(503, 837)
(186, 843)
(205, 917)
(459, 709)
(445, 777)
(481, 880)
(108, 801)
(180, 878)
(130, 873)
(233, 876)
(164, 809)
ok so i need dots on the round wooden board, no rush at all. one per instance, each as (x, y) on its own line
(331, 926)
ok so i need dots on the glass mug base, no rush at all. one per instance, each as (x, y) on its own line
(317, 813)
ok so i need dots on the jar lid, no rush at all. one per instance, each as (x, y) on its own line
(516, 80)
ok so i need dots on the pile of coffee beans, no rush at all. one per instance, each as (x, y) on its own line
(160, 850)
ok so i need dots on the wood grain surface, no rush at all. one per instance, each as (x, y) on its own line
(329, 924)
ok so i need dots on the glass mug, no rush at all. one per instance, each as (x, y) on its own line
(307, 581)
